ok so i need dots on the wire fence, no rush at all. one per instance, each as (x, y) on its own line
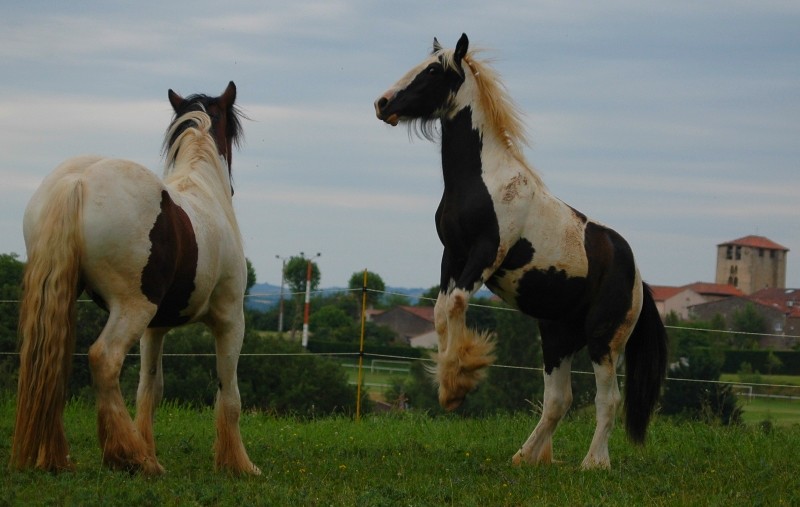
(750, 389)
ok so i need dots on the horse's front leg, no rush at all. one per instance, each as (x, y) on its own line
(440, 319)
(230, 453)
(463, 353)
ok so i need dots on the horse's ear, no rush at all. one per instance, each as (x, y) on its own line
(228, 97)
(461, 48)
(436, 46)
(174, 99)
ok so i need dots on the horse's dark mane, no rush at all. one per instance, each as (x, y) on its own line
(425, 128)
(202, 102)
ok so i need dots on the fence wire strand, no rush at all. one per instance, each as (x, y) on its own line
(272, 295)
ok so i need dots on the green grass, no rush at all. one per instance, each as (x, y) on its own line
(411, 459)
(792, 380)
(375, 380)
(776, 411)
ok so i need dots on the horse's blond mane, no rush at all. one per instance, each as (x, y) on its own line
(193, 148)
(194, 145)
(504, 117)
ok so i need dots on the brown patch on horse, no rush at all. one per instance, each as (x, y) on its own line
(511, 189)
(168, 277)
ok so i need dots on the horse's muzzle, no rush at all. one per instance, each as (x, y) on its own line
(380, 106)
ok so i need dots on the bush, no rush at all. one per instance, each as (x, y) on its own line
(704, 401)
(297, 383)
(782, 362)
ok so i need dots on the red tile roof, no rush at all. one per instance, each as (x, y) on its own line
(785, 300)
(714, 289)
(423, 312)
(755, 242)
(664, 292)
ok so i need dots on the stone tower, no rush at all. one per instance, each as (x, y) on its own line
(752, 263)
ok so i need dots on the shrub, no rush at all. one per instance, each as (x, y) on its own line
(705, 401)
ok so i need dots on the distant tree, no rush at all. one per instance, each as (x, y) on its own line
(773, 362)
(379, 334)
(295, 274)
(748, 320)
(394, 300)
(375, 287)
(251, 276)
(429, 297)
(689, 336)
(331, 323)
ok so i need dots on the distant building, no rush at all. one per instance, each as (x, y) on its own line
(752, 263)
(680, 299)
(780, 309)
(406, 321)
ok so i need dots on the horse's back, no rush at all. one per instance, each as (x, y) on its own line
(120, 205)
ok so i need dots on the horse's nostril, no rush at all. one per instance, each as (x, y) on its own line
(382, 102)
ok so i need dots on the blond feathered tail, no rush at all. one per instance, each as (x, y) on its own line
(47, 331)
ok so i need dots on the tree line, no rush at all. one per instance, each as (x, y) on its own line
(298, 383)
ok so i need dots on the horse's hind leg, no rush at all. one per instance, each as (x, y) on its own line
(607, 401)
(230, 453)
(123, 447)
(605, 348)
(151, 384)
(557, 400)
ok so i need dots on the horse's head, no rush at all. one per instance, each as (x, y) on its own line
(226, 127)
(427, 91)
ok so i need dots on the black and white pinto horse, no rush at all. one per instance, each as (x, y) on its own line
(501, 227)
(156, 253)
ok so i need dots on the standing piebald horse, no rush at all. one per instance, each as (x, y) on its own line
(501, 227)
(156, 254)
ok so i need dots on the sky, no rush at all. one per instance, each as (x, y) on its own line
(675, 123)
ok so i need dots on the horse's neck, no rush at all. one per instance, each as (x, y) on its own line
(471, 152)
(461, 150)
(202, 168)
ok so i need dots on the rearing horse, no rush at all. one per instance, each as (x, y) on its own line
(156, 254)
(501, 227)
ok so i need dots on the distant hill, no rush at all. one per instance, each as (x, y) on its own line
(264, 296)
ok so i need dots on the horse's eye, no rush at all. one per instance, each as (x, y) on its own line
(433, 70)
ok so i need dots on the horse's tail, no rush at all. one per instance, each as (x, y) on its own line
(47, 330)
(645, 368)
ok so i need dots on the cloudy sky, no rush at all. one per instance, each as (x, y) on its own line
(676, 123)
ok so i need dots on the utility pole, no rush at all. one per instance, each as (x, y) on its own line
(283, 279)
(307, 310)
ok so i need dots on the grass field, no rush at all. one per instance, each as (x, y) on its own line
(412, 459)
